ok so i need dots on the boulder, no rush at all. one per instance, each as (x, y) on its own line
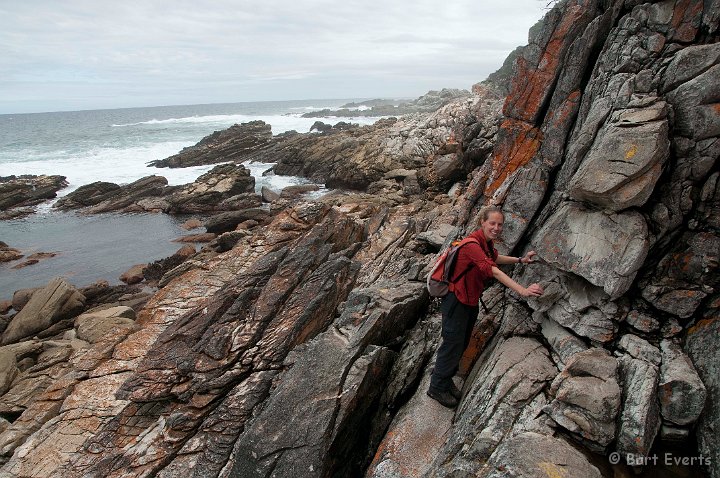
(642, 322)
(605, 249)
(296, 192)
(640, 417)
(228, 221)
(134, 275)
(682, 392)
(5, 306)
(96, 326)
(268, 195)
(22, 297)
(8, 369)
(587, 397)
(191, 224)
(56, 301)
(640, 349)
(626, 160)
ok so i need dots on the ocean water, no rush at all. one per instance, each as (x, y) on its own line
(116, 145)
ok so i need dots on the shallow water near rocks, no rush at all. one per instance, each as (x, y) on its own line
(89, 248)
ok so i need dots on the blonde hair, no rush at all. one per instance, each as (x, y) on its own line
(487, 210)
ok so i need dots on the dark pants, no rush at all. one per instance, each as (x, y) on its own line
(458, 320)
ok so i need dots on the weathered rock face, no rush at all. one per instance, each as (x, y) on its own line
(304, 349)
(587, 397)
(702, 348)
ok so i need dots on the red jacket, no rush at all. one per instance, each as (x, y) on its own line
(482, 257)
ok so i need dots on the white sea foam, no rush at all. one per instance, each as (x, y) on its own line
(113, 165)
(279, 123)
(271, 180)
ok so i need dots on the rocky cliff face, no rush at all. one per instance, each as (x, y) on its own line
(305, 350)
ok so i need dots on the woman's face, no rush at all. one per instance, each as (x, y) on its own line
(493, 226)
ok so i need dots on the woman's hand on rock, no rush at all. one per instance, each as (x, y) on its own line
(533, 290)
(529, 258)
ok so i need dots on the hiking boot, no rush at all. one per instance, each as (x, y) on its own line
(455, 392)
(443, 398)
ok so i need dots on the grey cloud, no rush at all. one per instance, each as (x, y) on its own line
(133, 50)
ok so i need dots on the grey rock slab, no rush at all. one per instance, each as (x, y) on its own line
(416, 434)
(703, 347)
(562, 342)
(605, 249)
(642, 322)
(682, 392)
(625, 162)
(695, 114)
(506, 378)
(532, 455)
(640, 416)
(689, 63)
(640, 348)
(587, 397)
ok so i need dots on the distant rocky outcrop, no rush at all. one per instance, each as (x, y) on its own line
(304, 347)
(221, 146)
(17, 193)
(455, 138)
(427, 103)
(225, 187)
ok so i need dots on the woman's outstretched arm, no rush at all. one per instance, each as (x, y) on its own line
(533, 290)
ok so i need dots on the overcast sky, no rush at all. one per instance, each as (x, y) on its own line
(77, 54)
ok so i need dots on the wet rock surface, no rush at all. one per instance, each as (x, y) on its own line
(17, 192)
(299, 341)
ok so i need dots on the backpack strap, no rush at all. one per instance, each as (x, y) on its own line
(467, 240)
(462, 243)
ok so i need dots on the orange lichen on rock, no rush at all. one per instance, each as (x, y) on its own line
(701, 325)
(568, 107)
(686, 19)
(532, 84)
(517, 144)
